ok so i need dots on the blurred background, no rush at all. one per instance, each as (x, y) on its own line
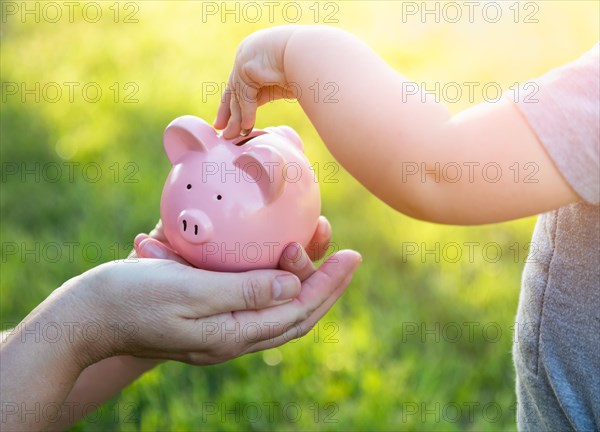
(422, 338)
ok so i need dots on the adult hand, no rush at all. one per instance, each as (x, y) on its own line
(178, 312)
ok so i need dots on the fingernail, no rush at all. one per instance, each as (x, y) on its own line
(292, 251)
(324, 227)
(245, 132)
(359, 259)
(139, 238)
(299, 258)
(150, 250)
(285, 287)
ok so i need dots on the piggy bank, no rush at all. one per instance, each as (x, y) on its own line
(233, 205)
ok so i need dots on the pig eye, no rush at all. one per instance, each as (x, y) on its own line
(219, 197)
(189, 186)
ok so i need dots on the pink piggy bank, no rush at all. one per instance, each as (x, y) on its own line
(233, 205)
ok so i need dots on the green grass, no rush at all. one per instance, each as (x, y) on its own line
(370, 363)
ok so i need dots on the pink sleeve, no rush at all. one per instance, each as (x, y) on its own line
(564, 112)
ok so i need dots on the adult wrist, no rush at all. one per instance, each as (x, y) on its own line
(77, 315)
(47, 338)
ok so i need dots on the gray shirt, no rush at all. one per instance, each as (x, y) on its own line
(557, 343)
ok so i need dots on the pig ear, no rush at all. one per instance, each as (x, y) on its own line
(187, 133)
(289, 133)
(265, 166)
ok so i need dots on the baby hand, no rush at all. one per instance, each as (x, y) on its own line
(257, 77)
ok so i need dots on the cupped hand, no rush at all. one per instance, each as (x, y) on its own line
(175, 311)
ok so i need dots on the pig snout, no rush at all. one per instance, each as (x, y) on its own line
(194, 226)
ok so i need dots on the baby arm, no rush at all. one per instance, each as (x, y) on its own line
(395, 143)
